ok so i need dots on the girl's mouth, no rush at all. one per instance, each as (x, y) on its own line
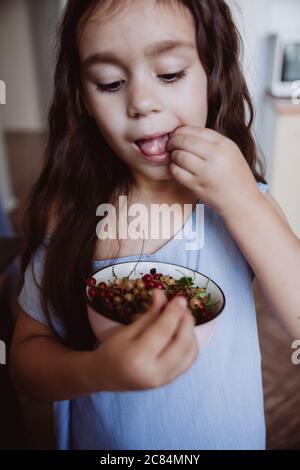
(154, 149)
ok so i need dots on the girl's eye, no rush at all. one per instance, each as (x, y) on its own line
(112, 88)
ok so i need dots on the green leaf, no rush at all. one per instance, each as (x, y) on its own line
(184, 281)
(201, 295)
(211, 304)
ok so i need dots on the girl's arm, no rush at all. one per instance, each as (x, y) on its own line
(213, 166)
(42, 367)
(272, 249)
(150, 352)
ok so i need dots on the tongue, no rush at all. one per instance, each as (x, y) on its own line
(154, 146)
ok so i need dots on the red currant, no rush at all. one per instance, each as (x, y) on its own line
(102, 285)
(150, 284)
(92, 292)
(147, 278)
(156, 277)
(91, 281)
(109, 294)
(160, 285)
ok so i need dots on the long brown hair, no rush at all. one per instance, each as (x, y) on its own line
(81, 171)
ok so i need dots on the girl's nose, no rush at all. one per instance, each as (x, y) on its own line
(143, 99)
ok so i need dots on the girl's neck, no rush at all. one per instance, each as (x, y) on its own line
(162, 192)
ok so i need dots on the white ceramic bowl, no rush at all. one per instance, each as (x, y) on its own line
(103, 326)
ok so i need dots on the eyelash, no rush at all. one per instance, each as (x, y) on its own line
(106, 88)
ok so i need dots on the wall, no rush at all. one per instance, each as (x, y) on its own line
(256, 19)
(27, 30)
(17, 60)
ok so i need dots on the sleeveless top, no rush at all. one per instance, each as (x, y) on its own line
(216, 404)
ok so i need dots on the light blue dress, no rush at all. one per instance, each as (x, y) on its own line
(216, 404)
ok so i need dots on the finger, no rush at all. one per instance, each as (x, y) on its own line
(177, 353)
(159, 299)
(184, 177)
(210, 135)
(181, 341)
(187, 161)
(161, 331)
(204, 132)
(193, 144)
(187, 362)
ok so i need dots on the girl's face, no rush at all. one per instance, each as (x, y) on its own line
(131, 88)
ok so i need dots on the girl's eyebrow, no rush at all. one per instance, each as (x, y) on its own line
(150, 51)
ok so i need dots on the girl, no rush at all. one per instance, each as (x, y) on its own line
(127, 73)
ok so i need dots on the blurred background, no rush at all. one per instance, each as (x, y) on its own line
(271, 33)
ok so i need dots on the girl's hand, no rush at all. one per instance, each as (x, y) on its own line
(150, 352)
(212, 167)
